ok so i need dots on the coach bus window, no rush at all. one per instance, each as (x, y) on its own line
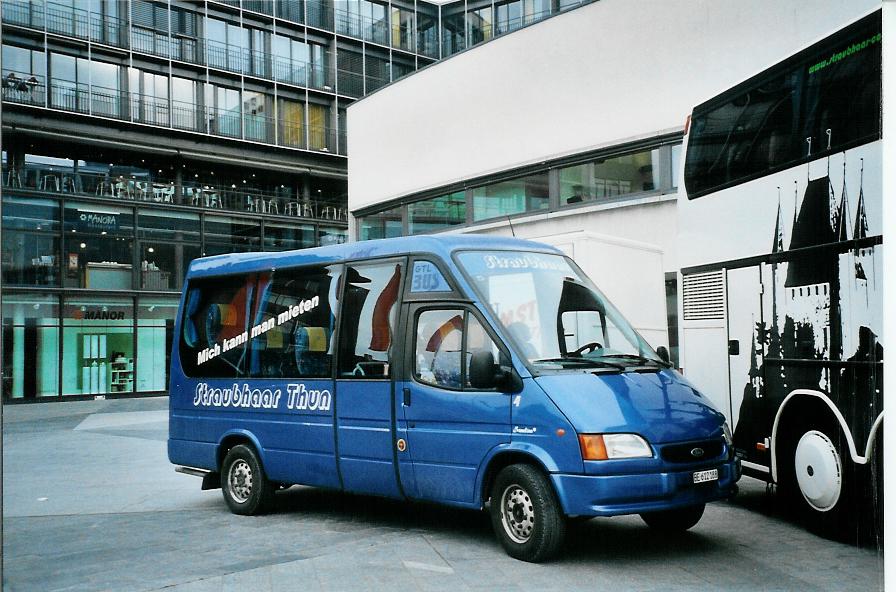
(823, 101)
(292, 335)
(215, 327)
(843, 94)
(369, 314)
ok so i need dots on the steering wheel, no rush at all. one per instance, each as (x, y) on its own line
(587, 348)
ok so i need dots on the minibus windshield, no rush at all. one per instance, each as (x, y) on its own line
(556, 316)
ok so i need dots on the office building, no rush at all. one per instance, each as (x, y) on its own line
(570, 129)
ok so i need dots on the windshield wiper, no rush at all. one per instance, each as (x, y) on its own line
(638, 358)
(581, 362)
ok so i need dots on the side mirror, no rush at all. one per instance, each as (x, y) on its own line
(663, 353)
(486, 374)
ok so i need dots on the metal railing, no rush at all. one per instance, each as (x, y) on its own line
(368, 29)
(66, 20)
(142, 186)
(27, 89)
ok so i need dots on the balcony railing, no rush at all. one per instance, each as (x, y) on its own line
(368, 29)
(27, 89)
(145, 187)
(66, 20)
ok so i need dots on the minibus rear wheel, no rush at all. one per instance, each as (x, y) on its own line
(526, 516)
(246, 488)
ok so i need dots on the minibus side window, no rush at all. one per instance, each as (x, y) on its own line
(215, 327)
(445, 341)
(369, 316)
(295, 324)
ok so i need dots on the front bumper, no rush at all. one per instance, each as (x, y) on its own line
(614, 495)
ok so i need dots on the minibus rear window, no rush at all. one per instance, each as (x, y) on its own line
(266, 325)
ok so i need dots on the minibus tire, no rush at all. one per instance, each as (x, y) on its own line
(246, 488)
(677, 520)
(526, 516)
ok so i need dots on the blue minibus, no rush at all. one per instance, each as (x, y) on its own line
(477, 372)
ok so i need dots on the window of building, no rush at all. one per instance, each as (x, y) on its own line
(98, 247)
(453, 33)
(24, 75)
(386, 224)
(332, 236)
(291, 10)
(376, 72)
(97, 345)
(69, 79)
(31, 341)
(168, 242)
(185, 35)
(369, 315)
(223, 110)
(292, 123)
(606, 178)
(437, 213)
(516, 196)
(228, 235)
(350, 73)
(480, 24)
(402, 28)
(155, 332)
(149, 96)
(30, 241)
(149, 27)
(258, 124)
(105, 89)
(427, 32)
(318, 130)
(300, 307)
(509, 16)
(226, 45)
(446, 341)
(184, 114)
(285, 237)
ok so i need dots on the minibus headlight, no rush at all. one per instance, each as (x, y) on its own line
(610, 446)
(726, 432)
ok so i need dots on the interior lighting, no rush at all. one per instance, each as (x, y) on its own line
(83, 245)
(151, 250)
(103, 233)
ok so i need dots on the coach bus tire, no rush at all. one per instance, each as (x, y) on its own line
(818, 479)
(678, 520)
(246, 488)
(526, 516)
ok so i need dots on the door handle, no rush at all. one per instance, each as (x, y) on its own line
(406, 397)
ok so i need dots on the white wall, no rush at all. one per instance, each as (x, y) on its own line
(595, 76)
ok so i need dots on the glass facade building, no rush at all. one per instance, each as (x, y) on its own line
(142, 134)
(610, 177)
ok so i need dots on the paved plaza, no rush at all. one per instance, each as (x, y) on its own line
(90, 502)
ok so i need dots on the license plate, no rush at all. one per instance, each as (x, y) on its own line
(705, 476)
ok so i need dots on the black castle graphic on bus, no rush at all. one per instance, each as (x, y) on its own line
(816, 332)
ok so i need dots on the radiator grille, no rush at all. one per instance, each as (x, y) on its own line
(703, 296)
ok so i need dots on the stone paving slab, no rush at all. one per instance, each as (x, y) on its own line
(90, 502)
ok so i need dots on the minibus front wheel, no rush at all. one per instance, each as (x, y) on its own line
(246, 488)
(526, 516)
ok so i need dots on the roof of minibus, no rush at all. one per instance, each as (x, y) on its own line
(441, 246)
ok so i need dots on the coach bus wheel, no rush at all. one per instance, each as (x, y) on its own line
(247, 490)
(525, 514)
(817, 475)
(677, 520)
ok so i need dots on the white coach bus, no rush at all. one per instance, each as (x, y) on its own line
(781, 249)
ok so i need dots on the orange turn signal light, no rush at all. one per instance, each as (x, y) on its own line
(593, 447)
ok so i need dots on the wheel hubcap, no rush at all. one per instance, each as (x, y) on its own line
(240, 481)
(819, 472)
(517, 514)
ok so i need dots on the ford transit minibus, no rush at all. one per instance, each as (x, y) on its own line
(471, 371)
